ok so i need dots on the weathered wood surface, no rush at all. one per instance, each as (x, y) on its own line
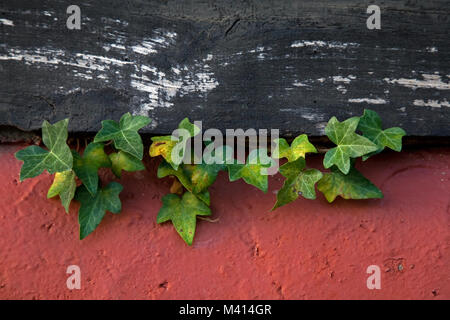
(253, 64)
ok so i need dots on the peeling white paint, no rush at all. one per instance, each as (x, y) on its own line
(259, 49)
(261, 56)
(431, 81)
(431, 49)
(93, 60)
(58, 57)
(299, 84)
(145, 48)
(7, 22)
(326, 44)
(341, 89)
(432, 103)
(347, 79)
(368, 100)
(118, 46)
(161, 39)
(162, 88)
(312, 116)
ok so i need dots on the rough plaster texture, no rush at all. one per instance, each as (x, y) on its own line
(305, 250)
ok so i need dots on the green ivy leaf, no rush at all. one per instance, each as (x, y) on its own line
(64, 185)
(124, 134)
(184, 173)
(299, 181)
(124, 161)
(86, 167)
(203, 175)
(370, 126)
(254, 171)
(94, 207)
(57, 159)
(349, 144)
(299, 147)
(351, 186)
(164, 145)
(182, 212)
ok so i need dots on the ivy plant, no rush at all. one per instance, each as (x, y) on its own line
(343, 179)
(76, 176)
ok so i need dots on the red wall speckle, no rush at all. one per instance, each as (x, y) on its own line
(305, 250)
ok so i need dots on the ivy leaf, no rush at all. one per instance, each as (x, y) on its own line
(164, 145)
(349, 144)
(370, 126)
(86, 167)
(124, 134)
(299, 147)
(57, 159)
(184, 173)
(124, 161)
(299, 181)
(182, 212)
(351, 186)
(64, 185)
(254, 171)
(203, 175)
(93, 207)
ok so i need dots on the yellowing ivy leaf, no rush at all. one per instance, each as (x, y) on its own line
(350, 186)
(164, 145)
(124, 134)
(254, 171)
(184, 173)
(94, 207)
(86, 167)
(370, 126)
(300, 181)
(299, 147)
(183, 212)
(349, 144)
(64, 185)
(124, 161)
(203, 175)
(57, 159)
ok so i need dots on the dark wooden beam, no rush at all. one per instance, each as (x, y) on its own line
(232, 64)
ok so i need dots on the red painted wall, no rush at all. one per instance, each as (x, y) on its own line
(305, 250)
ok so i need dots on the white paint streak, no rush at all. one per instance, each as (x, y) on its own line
(161, 39)
(368, 100)
(431, 81)
(162, 88)
(341, 89)
(145, 48)
(299, 84)
(58, 57)
(323, 44)
(431, 49)
(347, 79)
(432, 103)
(7, 22)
